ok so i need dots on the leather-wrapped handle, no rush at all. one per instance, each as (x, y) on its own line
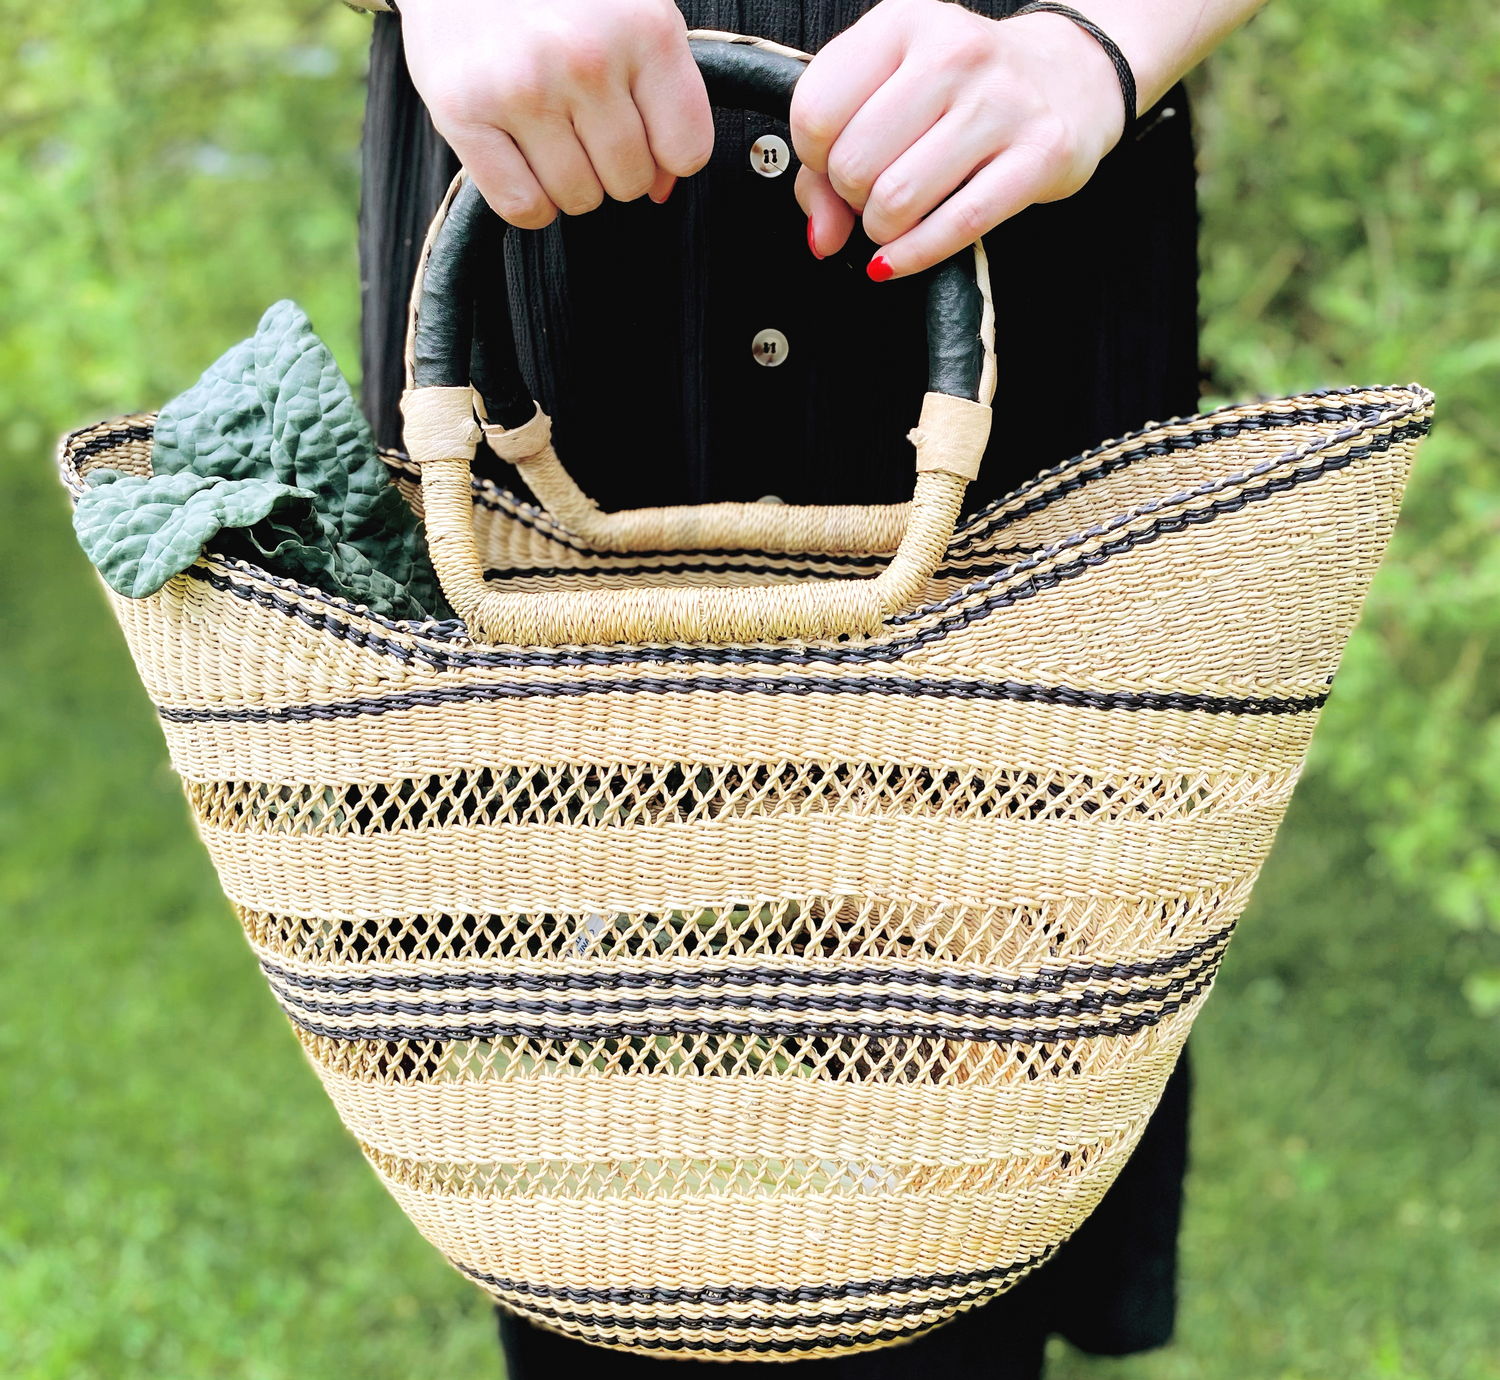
(461, 332)
(461, 348)
(748, 76)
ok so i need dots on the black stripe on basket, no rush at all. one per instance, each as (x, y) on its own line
(723, 1322)
(959, 1282)
(667, 1007)
(961, 1291)
(855, 568)
(442, 657)
(1207, 428)
(110, 440)
(613, 979)
(909, 687)
(1130, 1023)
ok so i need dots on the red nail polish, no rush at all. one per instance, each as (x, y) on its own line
(662, 199)
(880, 269)
(811, 244)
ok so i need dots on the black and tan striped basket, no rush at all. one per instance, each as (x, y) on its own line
(753, 931)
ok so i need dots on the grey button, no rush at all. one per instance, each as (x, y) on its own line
(769, 348)
(769, 155)
(771, 498)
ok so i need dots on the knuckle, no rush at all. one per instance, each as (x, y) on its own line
(958, 54)
(685, 146)
(586, 60)
(463, 99)
(896, 198)
(970, 219)
(522, 211)
(580, 203)
(1054, 140)
(694, 160)
(812, 118)
(525, 89)
(658, 22)
(632, 183)
(848, 172)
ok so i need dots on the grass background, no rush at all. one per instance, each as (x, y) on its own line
(176, 1194)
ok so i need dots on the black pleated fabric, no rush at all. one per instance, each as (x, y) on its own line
(641, 316)
(406, 169)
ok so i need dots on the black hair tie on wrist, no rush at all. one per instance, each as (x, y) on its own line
(1122, 67)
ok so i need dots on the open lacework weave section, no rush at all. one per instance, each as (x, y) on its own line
(831, 988)
(627, 795)
(776, 999)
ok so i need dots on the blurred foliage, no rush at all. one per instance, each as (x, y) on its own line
(1351, 198)
(169, 168)
(177, 1196)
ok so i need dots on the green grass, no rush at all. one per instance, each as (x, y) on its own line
(1343, 1219)
(177, 1197)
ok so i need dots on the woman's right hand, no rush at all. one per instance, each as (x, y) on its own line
(554, 104)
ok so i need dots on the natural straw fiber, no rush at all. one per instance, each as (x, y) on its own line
(772, 998)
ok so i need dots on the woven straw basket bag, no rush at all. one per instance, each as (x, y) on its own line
(760, 931)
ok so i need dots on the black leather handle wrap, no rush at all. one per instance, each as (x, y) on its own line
(739, 77)
(463, 332)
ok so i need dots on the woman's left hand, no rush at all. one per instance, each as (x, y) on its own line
(935, 124)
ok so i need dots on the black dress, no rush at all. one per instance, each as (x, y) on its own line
(637, 311)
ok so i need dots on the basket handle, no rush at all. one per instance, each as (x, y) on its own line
(460, 353)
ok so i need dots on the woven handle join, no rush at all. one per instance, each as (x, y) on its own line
(454, 366)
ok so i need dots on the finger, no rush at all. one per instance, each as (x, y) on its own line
(839, 80)
(672, 105)
(661, 188)
(614, 139)
(503, 177)
(559, 163)
(929, 171)
(829, 217)
(995, 193)
(893, 119)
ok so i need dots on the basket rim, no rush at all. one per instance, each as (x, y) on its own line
(900, 638)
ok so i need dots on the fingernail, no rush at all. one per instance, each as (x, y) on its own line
(662, 199)
(812, 243)
(880, 269)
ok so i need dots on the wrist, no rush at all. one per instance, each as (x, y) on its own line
(1163, 40)
(1097, 101)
